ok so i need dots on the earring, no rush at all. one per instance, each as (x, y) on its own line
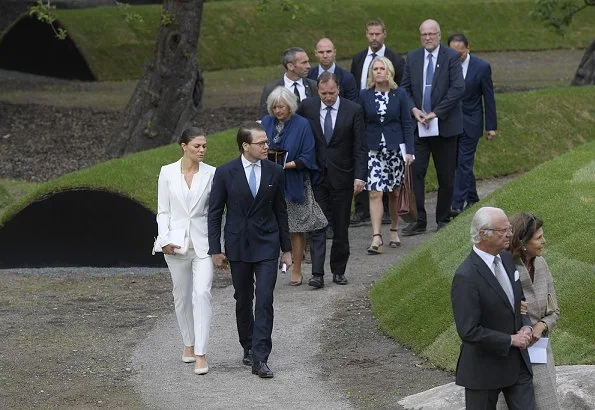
(524, 249)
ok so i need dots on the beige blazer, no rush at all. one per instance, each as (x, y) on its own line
(175, 212)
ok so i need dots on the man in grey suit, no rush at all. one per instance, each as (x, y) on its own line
(479, 93)
(486, 299)
(434, 83)
(297, 64)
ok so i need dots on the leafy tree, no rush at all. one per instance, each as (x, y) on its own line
(558, 14)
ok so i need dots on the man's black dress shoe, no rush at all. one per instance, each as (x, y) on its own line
(414, 228)
(248, 360)
(440, 225)
(455, 212)
(358, 219)
(340, 279)
(262, 370)
(316, 281)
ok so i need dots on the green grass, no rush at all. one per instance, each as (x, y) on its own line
(12, 191)
(412, 302)
(547, 122)
(238, 34)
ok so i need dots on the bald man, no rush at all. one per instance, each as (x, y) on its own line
(433, 79)
(326, 54)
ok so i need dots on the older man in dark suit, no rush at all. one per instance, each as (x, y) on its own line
(479, 92)
(251, 188)
(297, 64)
(486, 299)
(341, 155)
(376, 35)
(434, 82)
(326, 54)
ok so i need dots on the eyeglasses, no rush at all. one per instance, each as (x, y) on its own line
(261, 144)
(502, 230)
(429, 34)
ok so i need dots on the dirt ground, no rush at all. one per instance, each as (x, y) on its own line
(67, 335)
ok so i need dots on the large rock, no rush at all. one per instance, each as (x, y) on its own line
(576, 390)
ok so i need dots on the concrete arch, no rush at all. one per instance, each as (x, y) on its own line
(80, 227)
(31, 46)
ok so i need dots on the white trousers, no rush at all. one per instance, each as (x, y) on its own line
(192, 278)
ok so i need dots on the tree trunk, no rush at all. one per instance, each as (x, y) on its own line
(167, 98)
(585, 74)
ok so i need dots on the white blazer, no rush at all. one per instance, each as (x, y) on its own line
(175, 212)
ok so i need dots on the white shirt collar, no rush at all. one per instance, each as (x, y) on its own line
(289, 83)
(488, 258)
(330, 70)
(379, 52)
(246, 163)
(335, 105)
(434, 53)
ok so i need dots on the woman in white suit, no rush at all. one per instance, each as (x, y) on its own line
(183, 205)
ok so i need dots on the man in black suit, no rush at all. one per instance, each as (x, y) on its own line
(297, 64)
(376, 34)
(251, 188)
(326, 54)
(341, 155)
(434, 82)
(479, 93)
(486, 299)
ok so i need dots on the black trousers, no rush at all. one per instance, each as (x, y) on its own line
(519, 396)
(444, 154)
(255, 326)
(339, 200)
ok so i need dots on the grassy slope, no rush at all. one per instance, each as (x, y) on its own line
(412, 303)
(550, 122)
(237, 34)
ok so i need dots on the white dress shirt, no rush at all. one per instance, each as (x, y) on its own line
(333, 112)
(434, 60)
(248, 169)
(330, 70)
(488, 258)
(300, 86)
(465, 65)
(366, 67)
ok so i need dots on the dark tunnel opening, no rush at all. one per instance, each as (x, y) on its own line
(80, 227)
(31, 46)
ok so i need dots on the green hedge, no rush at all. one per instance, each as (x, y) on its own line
(238, 34)
(412, 302)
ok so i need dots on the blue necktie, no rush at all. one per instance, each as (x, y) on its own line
(328, 125)
(427, 99)
(252, 180)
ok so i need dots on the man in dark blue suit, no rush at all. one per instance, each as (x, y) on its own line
(479, 92)
(326, 54)
(434, 82)
(251, 188)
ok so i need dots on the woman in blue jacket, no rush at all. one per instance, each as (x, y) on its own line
(389, 135)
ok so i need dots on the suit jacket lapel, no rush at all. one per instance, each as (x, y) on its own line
(265, 178)
(175, 177)
(439, 64)
(198, 186)
(338, 120)
(487, 274)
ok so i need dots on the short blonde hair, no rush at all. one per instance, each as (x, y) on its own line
(282, 94)
(389, 68)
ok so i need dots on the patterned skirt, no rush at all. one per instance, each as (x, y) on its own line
(386, 169)
(307, 216)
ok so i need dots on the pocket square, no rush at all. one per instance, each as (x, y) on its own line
(516, 275)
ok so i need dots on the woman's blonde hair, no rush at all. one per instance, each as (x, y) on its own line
(389, 68)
